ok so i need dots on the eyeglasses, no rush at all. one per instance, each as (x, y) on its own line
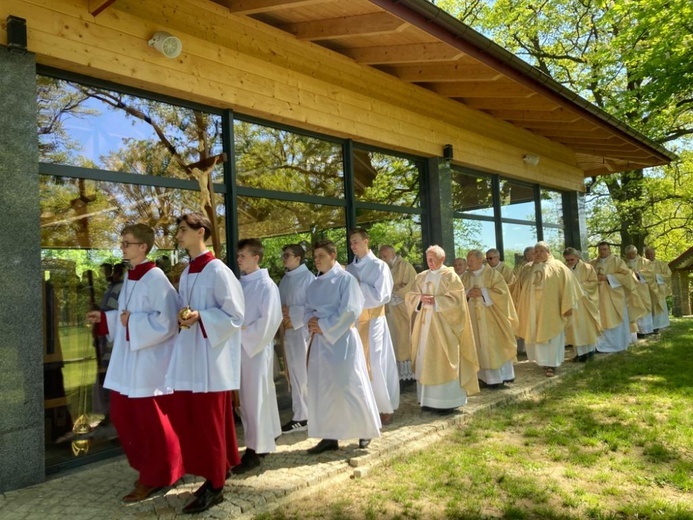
(491, 257)
(287, 255)
(125, 244)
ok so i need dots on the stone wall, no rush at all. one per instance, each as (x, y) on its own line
(21, 330)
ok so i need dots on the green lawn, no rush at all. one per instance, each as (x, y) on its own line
(613, 441)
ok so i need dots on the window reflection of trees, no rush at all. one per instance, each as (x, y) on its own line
(279, 160)
(386, 179)
(400, 230)
(136, 135)
(472, 194)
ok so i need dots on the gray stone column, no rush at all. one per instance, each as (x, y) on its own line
(21, 317)
(439, 207)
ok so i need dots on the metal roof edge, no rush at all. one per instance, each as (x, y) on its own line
(459, 30)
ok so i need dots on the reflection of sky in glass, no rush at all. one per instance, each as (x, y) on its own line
(551, 207)
(522, 211)
(103, 133)
(473, 234)
(516, 237)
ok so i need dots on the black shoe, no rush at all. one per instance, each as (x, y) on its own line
(207, 485)
(482, 384)
(509, 380)
(249, 461)
(323, 445)
(494, 386)
(363, 443)
(444, 411)
(295, 426)
(206, 498)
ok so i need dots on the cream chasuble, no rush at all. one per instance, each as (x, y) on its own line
(584, 325)
(403, 275)
(493, 318)
(443, 348)
(660, 311)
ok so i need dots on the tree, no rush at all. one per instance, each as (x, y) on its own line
(631, 58)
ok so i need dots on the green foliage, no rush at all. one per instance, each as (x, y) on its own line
(632, 59)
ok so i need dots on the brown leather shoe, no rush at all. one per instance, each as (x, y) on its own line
(386, 418)
(140, 493)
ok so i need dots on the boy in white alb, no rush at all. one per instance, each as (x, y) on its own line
(263, 314)
(292, 290)
(206, 363)
(143, 331)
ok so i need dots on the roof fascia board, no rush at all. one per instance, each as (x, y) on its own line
(449, 29)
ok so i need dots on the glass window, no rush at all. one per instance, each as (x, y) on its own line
(472, 194)
(473, 234)
(515, 238)
(90, 127)
(517, 201)
(399, 230)
(386, 179)
(278, 160)
(80, 234)
(281, 222)
(555, 237)
(551, 207)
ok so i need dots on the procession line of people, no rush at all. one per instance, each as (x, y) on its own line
(183, 360)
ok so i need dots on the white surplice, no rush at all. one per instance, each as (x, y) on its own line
(263, 314)
(341, 404)
(375, 280)
(207, 357)
(138, 365)
(292, 290)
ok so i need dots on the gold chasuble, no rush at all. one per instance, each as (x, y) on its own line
(643, 272)
(548, 290)
(398, 319)
(494, 325)
(450, 352)
(662, 275)
(613, 297)
(506, 272)
(584, 325)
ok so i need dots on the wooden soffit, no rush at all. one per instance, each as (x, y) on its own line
(420, 44)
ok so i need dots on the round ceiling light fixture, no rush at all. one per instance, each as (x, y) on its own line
(166, 44)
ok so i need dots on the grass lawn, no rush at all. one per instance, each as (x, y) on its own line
(612, 441)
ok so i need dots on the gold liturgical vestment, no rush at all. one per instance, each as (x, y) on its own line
(403, 275)
(613, 299)
(548, 290)
(494, 325)
(663, 285)
(584, 325)
(450, 349)
(643, 272)
(506, 272)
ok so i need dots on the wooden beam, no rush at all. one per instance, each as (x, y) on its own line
(98, 6)
(538, 126)
(496, 89)
(247, 7)
(420, 52)
(360, 25)
(559, 115)
(534, 103)
(442, 72)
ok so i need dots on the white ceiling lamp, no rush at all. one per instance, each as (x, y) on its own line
(166, 44)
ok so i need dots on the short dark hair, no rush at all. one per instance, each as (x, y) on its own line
(361, 232)
(141, 232)
(196, 220)
(296, 250)
(327, 245)
(253, 245)
(603, 243)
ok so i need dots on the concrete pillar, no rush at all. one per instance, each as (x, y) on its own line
(439, 207)
(21, 331)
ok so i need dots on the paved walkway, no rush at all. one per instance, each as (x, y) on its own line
(94, 492)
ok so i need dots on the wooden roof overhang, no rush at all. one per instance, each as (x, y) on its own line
(684, 262)
(423, 45)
